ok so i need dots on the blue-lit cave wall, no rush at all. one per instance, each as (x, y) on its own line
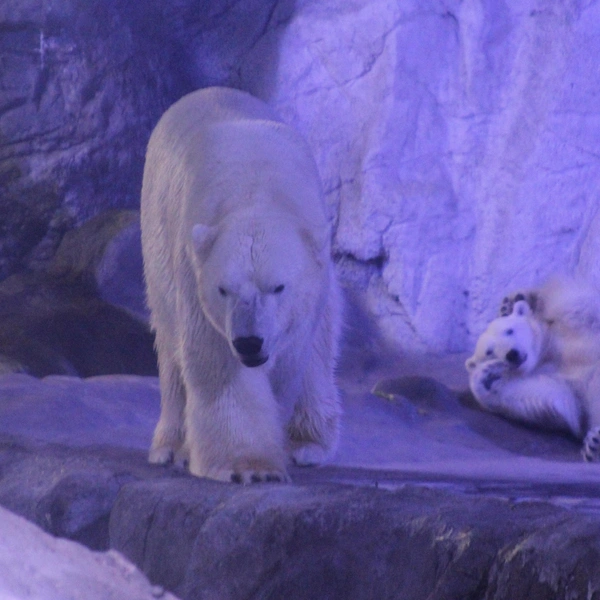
(457, 141)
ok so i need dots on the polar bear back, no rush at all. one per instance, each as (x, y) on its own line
(218, 150)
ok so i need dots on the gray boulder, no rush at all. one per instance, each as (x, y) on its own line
(81, 312)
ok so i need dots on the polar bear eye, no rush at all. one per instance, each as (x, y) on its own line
(509, 332)
(222, 291)
(279, 289)
(489, 352)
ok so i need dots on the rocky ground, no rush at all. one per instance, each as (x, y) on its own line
(427, 497)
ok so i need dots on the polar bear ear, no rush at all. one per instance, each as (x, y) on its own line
(521, 308)
(470, 363)
(203, 237)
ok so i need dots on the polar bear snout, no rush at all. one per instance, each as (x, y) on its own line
(249, 350)
(515, 358)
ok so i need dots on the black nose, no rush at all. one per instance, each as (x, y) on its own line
(247, 346)
(513, 357)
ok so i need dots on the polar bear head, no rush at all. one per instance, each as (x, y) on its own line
(516, 339)
(260, 282)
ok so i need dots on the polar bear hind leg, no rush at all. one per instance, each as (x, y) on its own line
(591, 442)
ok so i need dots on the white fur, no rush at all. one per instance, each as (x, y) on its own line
(236, 246)
(558, 385)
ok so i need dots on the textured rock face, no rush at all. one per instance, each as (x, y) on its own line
(82, 84)
(456, 140)
(207, 541)
(457, 145)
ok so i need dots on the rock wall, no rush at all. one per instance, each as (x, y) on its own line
(456, 140)
(82, 84)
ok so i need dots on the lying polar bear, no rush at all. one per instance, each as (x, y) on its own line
(242, 291)
(539, 363)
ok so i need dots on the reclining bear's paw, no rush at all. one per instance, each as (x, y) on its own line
(486, 375)
(492, 372)
(508, 303)
(591, 445)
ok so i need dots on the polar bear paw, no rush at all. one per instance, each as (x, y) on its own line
(488, 374)
(251, 471)
(167, 455)
(508, 303)
(591, 445)
(252, 476)
(161, 455)
(309, 455)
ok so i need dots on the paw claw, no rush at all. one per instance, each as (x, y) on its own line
(250, 475)
(506, 307)
(161, 455)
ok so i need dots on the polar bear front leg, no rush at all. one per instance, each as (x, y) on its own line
(485, 380)
(168, 440)
(543, 400)
(236, 436)
(314, 428)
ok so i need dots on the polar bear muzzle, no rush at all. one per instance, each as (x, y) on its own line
(249, 350)
(515, 358)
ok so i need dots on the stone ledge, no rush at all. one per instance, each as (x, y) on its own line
(423, 537)
(202, 539)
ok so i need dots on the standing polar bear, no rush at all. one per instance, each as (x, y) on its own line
(241, 289)
(540, 361)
